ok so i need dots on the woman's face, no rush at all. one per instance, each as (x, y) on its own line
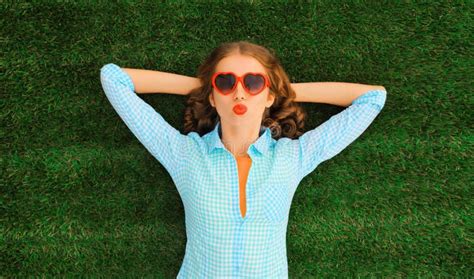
(255, 104)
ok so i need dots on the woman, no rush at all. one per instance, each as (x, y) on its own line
(243, 154)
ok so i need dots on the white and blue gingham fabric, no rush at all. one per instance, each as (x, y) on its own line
(220, 243)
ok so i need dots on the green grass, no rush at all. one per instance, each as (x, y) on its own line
(81, 196)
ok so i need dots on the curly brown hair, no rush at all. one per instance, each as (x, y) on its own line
(285, 117)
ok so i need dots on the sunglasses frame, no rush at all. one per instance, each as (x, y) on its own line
(241, 80)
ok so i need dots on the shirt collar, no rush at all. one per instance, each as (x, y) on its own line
(261, 144)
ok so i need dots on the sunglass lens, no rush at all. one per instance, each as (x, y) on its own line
(254, 83)
(225, 82)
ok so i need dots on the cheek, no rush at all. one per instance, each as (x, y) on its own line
(262, 102)
(222, 104)
(216, 100)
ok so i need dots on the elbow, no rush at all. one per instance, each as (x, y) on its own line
(382, 98)
(379, 96)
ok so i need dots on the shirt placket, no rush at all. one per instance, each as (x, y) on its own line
(238, 251)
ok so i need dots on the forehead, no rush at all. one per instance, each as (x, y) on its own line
(239, 64)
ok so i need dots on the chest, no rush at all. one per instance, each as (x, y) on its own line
(216, 196)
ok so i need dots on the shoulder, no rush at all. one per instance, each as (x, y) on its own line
(285, 145)
(196, 142)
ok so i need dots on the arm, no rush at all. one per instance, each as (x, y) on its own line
(334, 93)
(148, 81)
(162, 140)
(334, 135)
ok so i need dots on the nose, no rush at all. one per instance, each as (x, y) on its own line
(239, 93)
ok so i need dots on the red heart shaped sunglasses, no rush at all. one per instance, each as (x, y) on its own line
(226, 82)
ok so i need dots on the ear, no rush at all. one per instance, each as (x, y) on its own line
(211, 100)
(270, 100)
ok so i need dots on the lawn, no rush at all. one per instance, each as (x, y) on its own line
(80, 195)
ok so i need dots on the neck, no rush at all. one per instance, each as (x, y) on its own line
(238, 138)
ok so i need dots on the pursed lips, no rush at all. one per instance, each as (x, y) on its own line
(240, 109)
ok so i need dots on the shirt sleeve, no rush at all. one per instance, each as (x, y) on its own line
(163, 141)
(335, 134)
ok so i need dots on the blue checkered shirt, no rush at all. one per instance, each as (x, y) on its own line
(220, 243)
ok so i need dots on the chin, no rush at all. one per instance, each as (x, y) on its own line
(239, 120)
